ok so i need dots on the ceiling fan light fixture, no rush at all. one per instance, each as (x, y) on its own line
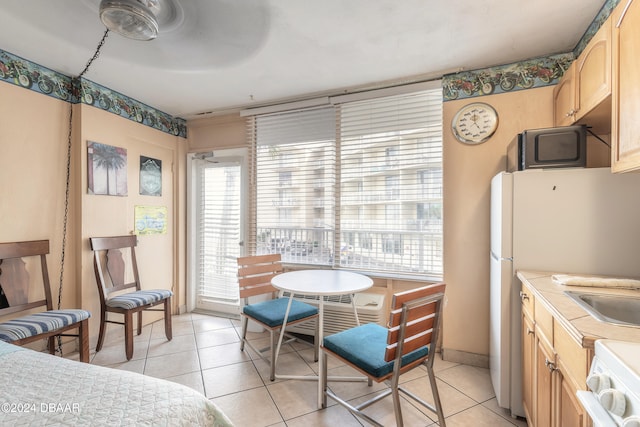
(129, 18)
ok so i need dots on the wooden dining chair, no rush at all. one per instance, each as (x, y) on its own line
(120, 290)
(30, 296)
(254, 279)
(383, 354)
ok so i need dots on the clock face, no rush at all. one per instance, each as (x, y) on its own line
(475, 123)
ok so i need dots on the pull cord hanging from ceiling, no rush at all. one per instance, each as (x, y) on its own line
(76, 88)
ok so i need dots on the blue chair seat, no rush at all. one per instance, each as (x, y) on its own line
(39, 323)
(365, 345)
(272, 312)
(138, 298)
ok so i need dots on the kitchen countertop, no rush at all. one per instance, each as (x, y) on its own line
(584, 328)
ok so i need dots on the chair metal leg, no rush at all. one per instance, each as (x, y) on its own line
(395, 395)
(244, 321)
(436, 395)
(272, 376)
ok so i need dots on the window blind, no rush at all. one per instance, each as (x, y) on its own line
(295, 180)
(218, 231)
(390, 216)
(355, 184)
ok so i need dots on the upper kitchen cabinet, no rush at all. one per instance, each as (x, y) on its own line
(625, 133)
(583, 93)
(564, 98)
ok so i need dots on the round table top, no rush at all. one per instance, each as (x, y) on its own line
(322, 282)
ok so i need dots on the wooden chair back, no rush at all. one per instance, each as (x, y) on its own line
(255, 274)
(15, 280)
(115, 264)
(414, 320)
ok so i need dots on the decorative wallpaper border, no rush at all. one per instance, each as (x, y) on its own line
(32, 76)
(506, 78)
(537, 72)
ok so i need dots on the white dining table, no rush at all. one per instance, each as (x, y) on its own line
(321, 283)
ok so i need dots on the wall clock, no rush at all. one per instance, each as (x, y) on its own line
(475, 123)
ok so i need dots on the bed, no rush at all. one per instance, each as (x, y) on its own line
(41, 389)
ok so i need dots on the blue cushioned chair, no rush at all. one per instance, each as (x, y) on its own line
(383, 354)
(119, 288)
(18, 294)
(254, 278)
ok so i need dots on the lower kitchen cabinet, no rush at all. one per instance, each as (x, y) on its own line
(549, 381)
(571, 412)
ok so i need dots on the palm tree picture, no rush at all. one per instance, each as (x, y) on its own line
(107, 169)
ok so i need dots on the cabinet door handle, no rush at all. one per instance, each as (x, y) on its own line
(550, 365)
(530, 331)
(523, 296)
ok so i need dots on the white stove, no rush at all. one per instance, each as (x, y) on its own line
(614, 384)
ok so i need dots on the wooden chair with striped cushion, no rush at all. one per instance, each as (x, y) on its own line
(30, 296)
(383, 354)
(119, 288)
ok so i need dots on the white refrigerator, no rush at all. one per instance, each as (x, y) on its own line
(574, 220)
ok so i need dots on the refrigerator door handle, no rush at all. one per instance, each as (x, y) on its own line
(496, 257)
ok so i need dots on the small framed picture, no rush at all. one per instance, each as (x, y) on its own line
(150, 176)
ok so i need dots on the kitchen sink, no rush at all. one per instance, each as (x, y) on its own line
(618, 310)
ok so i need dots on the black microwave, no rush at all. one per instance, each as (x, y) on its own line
(558, 147)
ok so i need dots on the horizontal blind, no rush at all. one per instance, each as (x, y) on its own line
(390, 216)
(218, 230)
(295, 159)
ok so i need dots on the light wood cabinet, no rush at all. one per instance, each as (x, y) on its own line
(544, 382)
(571, 413)
(584, 92)
(554, 368)
(528, 359)
(625, 133)
(564, 98)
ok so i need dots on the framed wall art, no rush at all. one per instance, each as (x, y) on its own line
(106, 169)
(150, 176)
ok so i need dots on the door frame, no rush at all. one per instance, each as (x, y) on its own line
(191, 214)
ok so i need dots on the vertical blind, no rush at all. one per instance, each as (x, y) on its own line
(355, 184)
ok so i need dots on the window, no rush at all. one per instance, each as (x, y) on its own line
(355, 184)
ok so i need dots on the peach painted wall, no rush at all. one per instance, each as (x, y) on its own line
(159, 255)
(33, 148)
(468, 170)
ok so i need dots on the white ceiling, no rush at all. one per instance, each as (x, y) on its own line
(225, 54)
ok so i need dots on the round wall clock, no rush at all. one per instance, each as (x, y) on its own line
(475, 123)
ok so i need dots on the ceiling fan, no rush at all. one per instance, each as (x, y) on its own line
(134, 19)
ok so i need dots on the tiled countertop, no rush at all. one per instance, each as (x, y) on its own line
(581, 325)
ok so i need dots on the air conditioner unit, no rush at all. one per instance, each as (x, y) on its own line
(338, 312)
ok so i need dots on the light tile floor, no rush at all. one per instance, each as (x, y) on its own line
(205, 354)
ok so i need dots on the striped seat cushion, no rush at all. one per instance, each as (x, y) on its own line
(138, 298)
(38, 323)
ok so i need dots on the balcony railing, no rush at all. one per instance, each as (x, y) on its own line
(406, 251)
